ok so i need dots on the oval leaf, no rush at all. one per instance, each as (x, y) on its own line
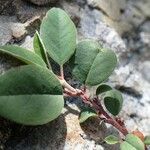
(30, 95)
(147, 140)
(86, 114)
(58, 34)
(93, 64)
(113, 101)
(111, 139)
(126, 146)
(103, 88)
(135, 142)
(40, 49)
(22, 54)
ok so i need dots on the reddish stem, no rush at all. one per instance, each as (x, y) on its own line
(97, 105)
(70, 91)
(117, 126)
(62, 71)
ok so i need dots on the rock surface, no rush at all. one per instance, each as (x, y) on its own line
(41, 2)
(123, 27)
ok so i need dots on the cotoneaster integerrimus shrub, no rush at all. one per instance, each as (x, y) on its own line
(32, 94)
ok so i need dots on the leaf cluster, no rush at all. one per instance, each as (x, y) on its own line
(32, 94)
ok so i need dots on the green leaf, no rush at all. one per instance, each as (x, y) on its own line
(147, 140)
(93, 64)
(111, 139)
(126, 146)
(86, 114)
(40, 49)
(113, 101)
(103, 88)
(58, 34)
(132, 142)
(30, 95)
(22, 54)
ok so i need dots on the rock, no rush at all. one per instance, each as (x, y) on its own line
(96, 20)
(144, 7)
(121, 26)
(41, 2)
(72, 9)
(11, 30)
(7, 62)
(25, 11)
(32, 25)
(5, 27)
(145, 33)
(111, 8)
(112, 14)
(5, 6)
(64, 132)
(92, 26)
(132, 80)
(18, 31)
(122, 15)
(28, 43)
(145, 26)
(5, 34)
(145, 68)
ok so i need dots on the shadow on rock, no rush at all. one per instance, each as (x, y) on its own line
(48, 136)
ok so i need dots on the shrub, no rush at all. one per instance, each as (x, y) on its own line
(32, 94)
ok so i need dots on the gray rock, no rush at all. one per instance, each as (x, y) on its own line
(145, 33)
(26, 11)
(131, 76)
(5, 6)
(111, 8)
(73, 10)
(5, 34)
(11, 29)
(28, 43)
(145, 68)
(92, 26)
(41, 2)
(5, 28)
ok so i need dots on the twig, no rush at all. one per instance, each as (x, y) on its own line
(117, 126)
(62, 71)
(95, 103)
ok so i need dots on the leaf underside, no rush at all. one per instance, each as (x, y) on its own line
(86, 114)
(103, 88)
(113, 101)
(30, 95)
(40, 49)
(111, 139)
(22, 54)
(93, 64)
(58, 34)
